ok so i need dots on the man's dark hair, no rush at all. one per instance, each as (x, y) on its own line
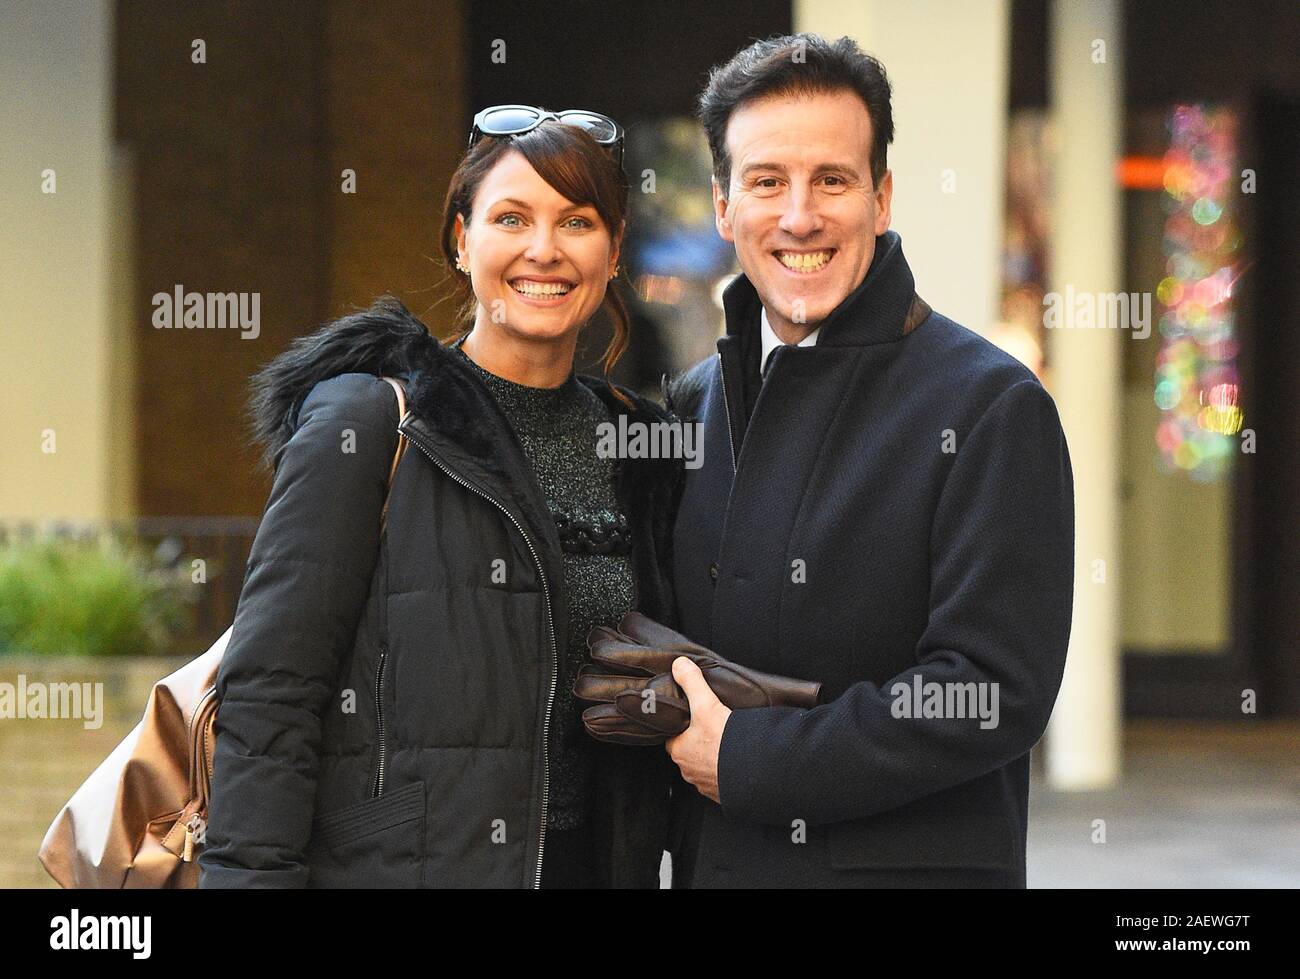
(802, 64)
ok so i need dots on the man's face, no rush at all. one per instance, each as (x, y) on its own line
(801, 208)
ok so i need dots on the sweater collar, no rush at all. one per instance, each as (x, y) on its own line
(875, 312)
(451, 407)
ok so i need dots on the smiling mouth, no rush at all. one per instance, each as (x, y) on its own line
(535, 289)
(805, 262)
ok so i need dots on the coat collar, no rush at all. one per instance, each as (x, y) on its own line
(883, 308)
(450, 410)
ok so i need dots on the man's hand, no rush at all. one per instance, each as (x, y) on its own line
(637, 700)
(695, 750)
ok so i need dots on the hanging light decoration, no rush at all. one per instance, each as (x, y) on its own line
(1196, 383)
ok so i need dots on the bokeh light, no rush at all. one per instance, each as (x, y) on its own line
(1195, 385)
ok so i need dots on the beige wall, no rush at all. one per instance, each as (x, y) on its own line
(950, 113)
(57, 305)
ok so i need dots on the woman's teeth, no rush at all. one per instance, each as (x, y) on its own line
(539, 290)
(805, 261)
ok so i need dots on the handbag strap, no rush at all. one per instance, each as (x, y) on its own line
(402, 443)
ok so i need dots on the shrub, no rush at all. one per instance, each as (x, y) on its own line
(97, 597)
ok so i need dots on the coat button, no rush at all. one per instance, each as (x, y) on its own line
(713, 570)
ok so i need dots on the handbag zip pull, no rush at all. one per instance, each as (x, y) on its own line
(192, 828)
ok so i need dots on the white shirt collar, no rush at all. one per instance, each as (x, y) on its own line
(771, 341)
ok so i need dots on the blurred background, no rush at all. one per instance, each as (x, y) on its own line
(299, 152)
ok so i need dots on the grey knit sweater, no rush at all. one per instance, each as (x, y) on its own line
(557, 428)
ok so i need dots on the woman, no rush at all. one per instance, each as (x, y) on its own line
(396, 710)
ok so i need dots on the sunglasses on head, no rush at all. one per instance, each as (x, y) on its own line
(514, 120)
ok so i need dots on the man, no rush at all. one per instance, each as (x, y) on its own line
(885, 506)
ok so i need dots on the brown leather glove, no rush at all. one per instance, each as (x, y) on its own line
(639, 702)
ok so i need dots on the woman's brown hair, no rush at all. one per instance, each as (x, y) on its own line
(580, 169)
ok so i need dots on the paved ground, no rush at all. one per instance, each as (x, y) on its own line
(1199, 805)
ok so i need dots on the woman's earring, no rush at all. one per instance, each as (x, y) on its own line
(462, 266)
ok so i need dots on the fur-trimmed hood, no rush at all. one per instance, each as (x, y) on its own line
(387, 339)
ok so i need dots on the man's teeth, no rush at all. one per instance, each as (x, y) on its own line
(805, 261)
(527, 288)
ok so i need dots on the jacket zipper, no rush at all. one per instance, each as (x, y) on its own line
(550, 626)
(379, 710)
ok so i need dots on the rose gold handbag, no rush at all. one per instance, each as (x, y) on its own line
(139, 818)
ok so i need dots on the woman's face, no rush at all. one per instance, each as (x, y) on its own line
(539, 263)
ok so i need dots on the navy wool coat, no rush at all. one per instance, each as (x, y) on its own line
(896, 518)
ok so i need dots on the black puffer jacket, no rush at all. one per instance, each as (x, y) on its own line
(385, 704)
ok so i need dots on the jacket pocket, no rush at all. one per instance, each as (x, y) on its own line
(379, 842)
